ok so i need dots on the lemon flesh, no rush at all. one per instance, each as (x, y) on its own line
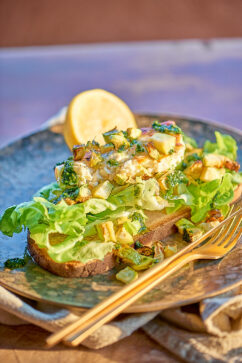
(93, 112)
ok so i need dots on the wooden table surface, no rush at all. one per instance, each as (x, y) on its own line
(195, 78)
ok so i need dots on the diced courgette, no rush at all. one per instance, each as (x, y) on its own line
(126, 275)
(164, 143)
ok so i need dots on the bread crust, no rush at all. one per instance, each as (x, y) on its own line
(160, 225)
(71, 268)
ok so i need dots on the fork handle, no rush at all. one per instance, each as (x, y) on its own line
(108, 313)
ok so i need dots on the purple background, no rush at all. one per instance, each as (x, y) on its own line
(194, 78)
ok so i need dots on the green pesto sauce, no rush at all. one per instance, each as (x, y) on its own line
(13, 263)
(17, 262)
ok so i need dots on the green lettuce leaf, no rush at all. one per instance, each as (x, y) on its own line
(212, 195)
(50, 192)
(42, 218)
(236, 177)
(126, 197)
(190, 141)
(224, 145)
(203, 197)
(96, 205)
(225, 193)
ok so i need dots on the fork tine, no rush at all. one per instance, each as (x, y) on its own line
(218, 238)
(227, 240)
(219, 232)
(233, 242)
(215, 240)
(224, 239)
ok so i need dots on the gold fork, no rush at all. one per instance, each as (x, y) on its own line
(216, 247)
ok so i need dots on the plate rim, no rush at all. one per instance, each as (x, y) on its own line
(144, 307)
(46, 126)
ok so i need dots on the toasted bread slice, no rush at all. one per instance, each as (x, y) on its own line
(71, 268)
(160, 225)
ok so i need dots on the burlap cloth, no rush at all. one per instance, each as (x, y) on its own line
(210, 331)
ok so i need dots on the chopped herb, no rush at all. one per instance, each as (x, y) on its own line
(140, 148)
(68, 176)
(125, 133)
(193, 157)
(113, 162)
(121, 148)
(182, 166)
(71, 193)
(177, 177)
(166, 128)
(134, 142)
(171, 151)
(58, 164)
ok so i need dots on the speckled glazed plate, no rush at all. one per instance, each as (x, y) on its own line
(27, 164)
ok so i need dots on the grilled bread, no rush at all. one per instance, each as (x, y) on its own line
(159, 224)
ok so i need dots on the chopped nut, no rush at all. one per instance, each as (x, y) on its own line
(70, 201)
(232, 165)
(214, 215)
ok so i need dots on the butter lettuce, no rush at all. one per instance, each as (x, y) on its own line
(224, 145)
(83, 251)
(50, 192)
(236, 177)
(126, 197)
(42, 218)
(189, 141)
(203, 197)
(208, 196)
(95, 206)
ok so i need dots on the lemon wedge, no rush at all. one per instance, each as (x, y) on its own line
(94, 112)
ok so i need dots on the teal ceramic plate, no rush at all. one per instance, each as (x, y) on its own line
(27, 164)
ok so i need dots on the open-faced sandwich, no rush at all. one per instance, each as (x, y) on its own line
(115, 202)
